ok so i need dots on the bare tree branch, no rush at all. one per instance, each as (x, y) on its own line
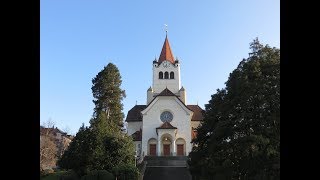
(48, 148)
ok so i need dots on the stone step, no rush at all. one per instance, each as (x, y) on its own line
(166, 161)
(167, 173)
(172, 163)
(166, 158)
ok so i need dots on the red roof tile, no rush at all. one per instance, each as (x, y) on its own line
(166, 92)
(166, 53)
(197, 112)
(134, 114)
(166, 125)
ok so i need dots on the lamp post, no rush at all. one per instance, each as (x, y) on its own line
(135, 159)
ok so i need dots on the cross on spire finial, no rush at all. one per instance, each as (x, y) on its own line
(166, 53)
(166, 28)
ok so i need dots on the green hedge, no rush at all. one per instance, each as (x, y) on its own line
(123, 172)
(98, 175)
(61, 175)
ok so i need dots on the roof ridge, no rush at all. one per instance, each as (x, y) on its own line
(166, 92)
(166, 125)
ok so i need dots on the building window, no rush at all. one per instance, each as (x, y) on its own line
(160, 75)
(171, 75)
(166, 75)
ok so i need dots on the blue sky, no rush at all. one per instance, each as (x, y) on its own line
(79, 37)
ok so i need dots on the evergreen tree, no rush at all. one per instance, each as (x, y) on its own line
(108, 94)
(240, 135)
(80, 152)
(102, 145)
(112, 148)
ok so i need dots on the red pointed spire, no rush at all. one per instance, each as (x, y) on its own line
(166, 53)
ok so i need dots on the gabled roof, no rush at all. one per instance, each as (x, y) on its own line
(197, 112)
(166, 125)
(134, 114)
(166, 53)
(166, 92)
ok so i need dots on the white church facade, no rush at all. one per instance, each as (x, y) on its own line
(166, 125)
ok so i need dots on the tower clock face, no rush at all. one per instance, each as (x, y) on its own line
(166, 64)
(166, 116)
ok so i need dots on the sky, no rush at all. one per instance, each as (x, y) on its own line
(79, 37)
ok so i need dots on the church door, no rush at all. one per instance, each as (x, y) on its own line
(180, 150)
(153, 149)
(166, 149)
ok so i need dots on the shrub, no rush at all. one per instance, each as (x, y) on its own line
(126, 172)
(46, 172)
(98, 175)
(61, 175)
(69, 175)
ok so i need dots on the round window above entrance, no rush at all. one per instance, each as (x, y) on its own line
(166, 116)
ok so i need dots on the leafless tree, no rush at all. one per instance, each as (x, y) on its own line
(48, 127)
(48, 148)
(48, 152)
(66, 130)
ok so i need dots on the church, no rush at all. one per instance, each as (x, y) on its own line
(166, 125)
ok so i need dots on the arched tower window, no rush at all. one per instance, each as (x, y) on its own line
(166, 75)
(160, 75)
(172, 75)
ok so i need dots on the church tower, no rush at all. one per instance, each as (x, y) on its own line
(166, 74)
(165, 125)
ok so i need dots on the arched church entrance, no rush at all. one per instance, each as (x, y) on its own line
(181, 147)
(152, 147)
(166, 145)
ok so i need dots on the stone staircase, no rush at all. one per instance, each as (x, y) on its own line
(166, 168)
(166, 161)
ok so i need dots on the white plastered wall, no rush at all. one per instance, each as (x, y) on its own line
(181, 120)
(173, 85)
(134, 126)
